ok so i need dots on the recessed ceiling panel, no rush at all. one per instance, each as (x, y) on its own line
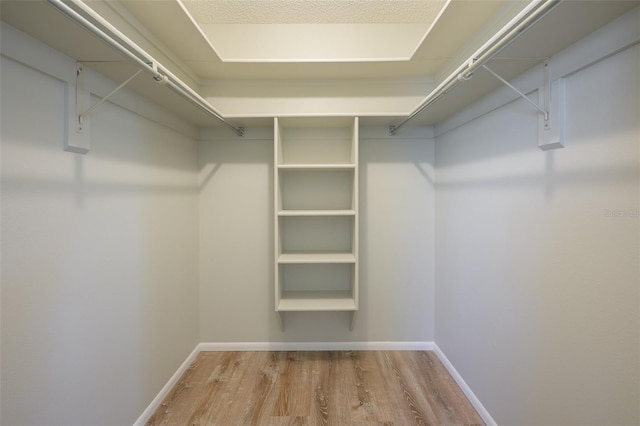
(314, 42)
(314, 30)
(314, 11)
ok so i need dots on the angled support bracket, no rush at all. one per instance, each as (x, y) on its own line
(78, 135)
(551, 100)
(280, 319)
(80, 89)
(544, 111)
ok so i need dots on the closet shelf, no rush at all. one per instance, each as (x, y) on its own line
(316, 213)
(317, 301)
(318, 167)
(317, 257)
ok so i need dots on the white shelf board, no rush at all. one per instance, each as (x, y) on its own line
(316, 213)
(317, 167)
(317, 257)
(317, 301)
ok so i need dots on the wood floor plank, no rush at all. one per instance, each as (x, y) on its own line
(316, 388)
(448, 402)
(222, 387)
(295, 386)
(412, 409)
(188, 391)
(342, 389)
(372, 393)
(285, 421)
(265, 387)
(322, 364)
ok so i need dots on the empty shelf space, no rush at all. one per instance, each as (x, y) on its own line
(317, 213)
(317, 301)
(317, 257)
(313, 189)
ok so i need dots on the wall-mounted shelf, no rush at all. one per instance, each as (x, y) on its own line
(317, 257)
(292, 301)
(316, 215)
(320, 167)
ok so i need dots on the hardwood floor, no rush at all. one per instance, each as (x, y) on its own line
(316, 388)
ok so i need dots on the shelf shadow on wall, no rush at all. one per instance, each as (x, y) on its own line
(395, 186)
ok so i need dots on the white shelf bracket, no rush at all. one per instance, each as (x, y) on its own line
(545, 112)
(280, 320)
(77, 134)
(80, 89)
(354, 315)
(551, 132)
(552, 98)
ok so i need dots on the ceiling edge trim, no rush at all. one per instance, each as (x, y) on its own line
(315, 60)
(366, 82)
(199, 29)
(431, 27)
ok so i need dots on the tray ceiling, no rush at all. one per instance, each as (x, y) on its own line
(265, 43)
(294, 39)
(314, 11)
(314, 30)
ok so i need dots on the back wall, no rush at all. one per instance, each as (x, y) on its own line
(396, 242)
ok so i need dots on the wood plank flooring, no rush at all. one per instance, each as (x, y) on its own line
(316, 388)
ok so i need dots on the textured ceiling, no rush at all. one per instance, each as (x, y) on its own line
(314, 11)
(314, 30)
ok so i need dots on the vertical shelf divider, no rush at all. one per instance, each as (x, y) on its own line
(277, 202)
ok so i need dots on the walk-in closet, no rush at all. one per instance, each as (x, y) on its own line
(274, 212)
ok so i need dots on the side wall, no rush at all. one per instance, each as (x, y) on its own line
(537, 273)
(99, 252)
(396, 242)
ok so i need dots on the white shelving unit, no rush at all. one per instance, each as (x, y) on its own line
(316, 215)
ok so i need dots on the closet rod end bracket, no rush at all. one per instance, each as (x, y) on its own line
(239, 131)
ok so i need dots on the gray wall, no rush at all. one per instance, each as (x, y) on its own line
(99, 256)
(396, 242)
(537, 273)
(116, 264)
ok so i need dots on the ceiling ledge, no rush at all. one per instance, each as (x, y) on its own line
(314, 42)
(382, 97)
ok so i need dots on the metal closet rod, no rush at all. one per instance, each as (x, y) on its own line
(120, 42)
(528, 17)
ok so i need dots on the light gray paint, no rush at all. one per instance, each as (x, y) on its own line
(537, 273)
(396, 244)
(99, 259)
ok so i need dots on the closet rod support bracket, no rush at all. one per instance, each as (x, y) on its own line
(80, 92)
(79, 95)
(546, 94)
(544, 111)
(77, 135)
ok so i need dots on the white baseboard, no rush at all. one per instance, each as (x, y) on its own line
(465, 388)
(316, 346)
(155, 404)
